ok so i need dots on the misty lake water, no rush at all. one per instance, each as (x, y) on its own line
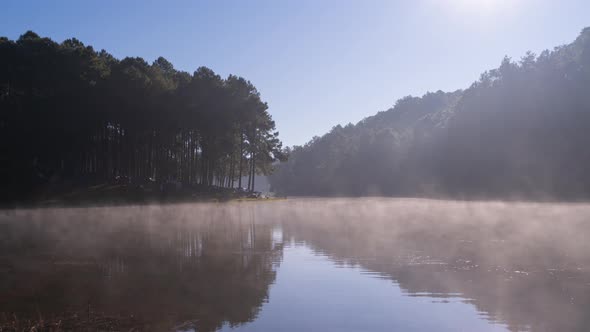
(371, 264)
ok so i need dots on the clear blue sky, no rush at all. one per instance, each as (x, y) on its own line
(317, 63)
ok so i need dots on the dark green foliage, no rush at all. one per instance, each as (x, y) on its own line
(521, 130)
(71, 114)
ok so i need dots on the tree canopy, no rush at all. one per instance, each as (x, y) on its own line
(70, 113)
(520, 130)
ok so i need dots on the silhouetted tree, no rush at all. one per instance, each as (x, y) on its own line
(71, 114)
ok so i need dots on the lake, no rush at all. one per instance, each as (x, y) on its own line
(307, 264)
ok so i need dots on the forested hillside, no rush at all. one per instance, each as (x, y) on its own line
(71, 114)
(521, 130)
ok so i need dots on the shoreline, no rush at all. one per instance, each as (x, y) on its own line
(105, 195)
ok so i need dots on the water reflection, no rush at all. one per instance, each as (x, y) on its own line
(198, 266)
(314, 293)
(305, 264)
(526, 265)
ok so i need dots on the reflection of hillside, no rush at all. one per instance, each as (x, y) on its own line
(527, 265)
(164, 265)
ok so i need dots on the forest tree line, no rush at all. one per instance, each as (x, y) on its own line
(73, 114)
(521, 130)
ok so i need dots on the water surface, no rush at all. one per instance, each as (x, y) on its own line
(303, 264)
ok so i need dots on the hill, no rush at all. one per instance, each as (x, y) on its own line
(521, 130)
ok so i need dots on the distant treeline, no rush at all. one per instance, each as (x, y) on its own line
(522, 129)
(70, 113)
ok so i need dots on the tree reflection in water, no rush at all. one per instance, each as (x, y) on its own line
(161, 265)
(523, 264)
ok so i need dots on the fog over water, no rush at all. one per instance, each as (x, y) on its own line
(304, 264)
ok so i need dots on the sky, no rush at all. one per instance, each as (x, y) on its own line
(317, 63)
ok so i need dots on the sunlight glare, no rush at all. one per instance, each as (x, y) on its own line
(479, 7)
